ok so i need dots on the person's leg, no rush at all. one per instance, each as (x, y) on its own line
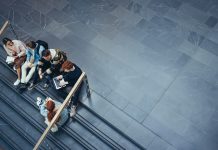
(30, 74)
(75, 98)
(35, 75)
(18, 73)
(24, 71)
(18, 77)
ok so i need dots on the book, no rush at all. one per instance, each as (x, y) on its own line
(10, 59)
(57, 83)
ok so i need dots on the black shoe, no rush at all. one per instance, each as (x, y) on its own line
(32, 85)
(45, 86)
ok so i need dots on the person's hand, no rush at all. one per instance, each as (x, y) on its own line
(40, 76)
(59, 77)
(30, 65)
(62, 83)
(15, 57)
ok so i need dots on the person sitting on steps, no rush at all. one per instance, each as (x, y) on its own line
(70, 76)
(48, 108)
(16, 49)
(48, 66)
(33, 56)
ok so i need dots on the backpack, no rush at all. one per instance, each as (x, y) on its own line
(42, 43)
(60, 57)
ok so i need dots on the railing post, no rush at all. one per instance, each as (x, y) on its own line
(88, 92)
(4, 27)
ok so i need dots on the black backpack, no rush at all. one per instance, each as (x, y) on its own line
(42, 43)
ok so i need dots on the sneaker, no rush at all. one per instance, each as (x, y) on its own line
(45, 86)
(73, 111)
(32, 85)
(22, 85)
(16, 82)
(39, 101)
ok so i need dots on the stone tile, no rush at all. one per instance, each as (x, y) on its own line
(201, 70)
(32, 29)
(202, 4)
(205, 57)
(142, 135)
(210, 46)
(135, 112)
(186, 22)
(160, 144)
(117, 100)
(192, 12)
(167, 133)
(59, 4)
(41, 6)
(98, 104)
(60, 17)
(81, 30)
(127, 145)
(213, 36)
(53, 41)
(195, 38)
(124, 15)
(40, 19)
(57, 29)
(214, 10)
(118, 118)
(158, 7)
(187, 48)
(211, 21)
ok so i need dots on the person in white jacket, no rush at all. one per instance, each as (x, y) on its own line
(17, 50)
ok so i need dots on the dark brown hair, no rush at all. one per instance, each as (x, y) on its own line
(5, 40)
(46, 53)
(31, 44)
(50, 105)
(67, 65)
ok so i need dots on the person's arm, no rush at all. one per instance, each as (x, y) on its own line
(43, 110)
(22, 49)
(36, 59)
(8, 51)
(41, 48)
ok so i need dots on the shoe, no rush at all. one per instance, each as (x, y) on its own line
(39, 101)
(45, 86)
(54, 128)
(73, 111)
(22, 85)
(16, 82)
(32, 85)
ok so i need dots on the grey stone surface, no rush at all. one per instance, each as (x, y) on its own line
(151, 64)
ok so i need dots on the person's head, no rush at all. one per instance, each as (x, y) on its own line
(46, 54)
(50, 105)
(67, 65)
(7, 42)
(31, 45)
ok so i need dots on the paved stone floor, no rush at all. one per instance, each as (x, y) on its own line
(156, 61)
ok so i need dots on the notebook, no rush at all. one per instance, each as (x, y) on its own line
(10, 59)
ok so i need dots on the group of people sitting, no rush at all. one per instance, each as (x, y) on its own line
(34, 62)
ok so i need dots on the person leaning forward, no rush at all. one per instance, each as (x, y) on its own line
(48, 66)
(17, 50)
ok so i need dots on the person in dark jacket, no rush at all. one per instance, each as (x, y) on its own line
(67, 80)
(49, 64)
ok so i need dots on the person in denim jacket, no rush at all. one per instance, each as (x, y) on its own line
(48, 109)
(31, 61)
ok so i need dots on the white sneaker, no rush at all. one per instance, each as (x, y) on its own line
(17, 82)
(73, 111)
(39, 101)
